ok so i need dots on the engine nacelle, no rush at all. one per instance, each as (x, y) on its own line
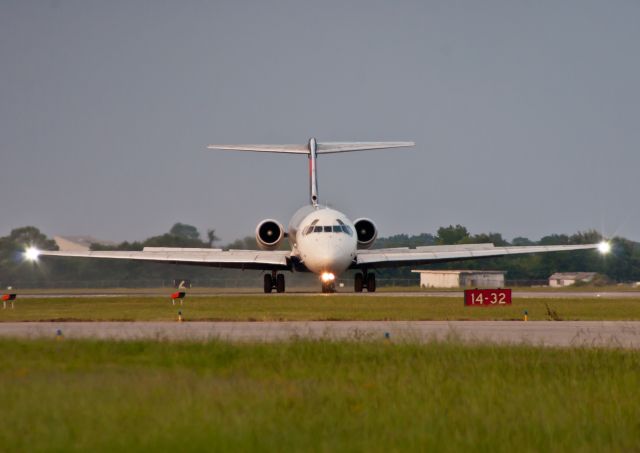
(366, 232)
(269, 234)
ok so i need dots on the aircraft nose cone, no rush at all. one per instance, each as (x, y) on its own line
(329, 255)
(330, 259)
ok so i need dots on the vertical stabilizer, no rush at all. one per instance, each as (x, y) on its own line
(312, 150)
(313, 171)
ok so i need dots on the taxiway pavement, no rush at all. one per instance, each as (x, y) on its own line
(459, 294)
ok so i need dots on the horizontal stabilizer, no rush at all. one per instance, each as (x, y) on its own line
(344, 147)
(287, 149)
(322, 147)
(312, 149)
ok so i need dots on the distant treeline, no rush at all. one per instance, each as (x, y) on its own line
(621, 265)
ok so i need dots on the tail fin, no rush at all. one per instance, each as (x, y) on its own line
(312, 149)
(322, 148)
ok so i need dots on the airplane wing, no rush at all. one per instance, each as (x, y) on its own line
(444, 253)
(236, 259)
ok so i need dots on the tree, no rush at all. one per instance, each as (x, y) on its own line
(486, 238)
(555, 239)
(622, 264)
(211, 237)
(246, 243)
(184, 231)
(19, 240)
(172, 240)
(522, 241)
(404, 240)
(452, 234)
(12, 263)
(586, 237)
(31, 236)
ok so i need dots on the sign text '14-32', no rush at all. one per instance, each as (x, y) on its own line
(487, 297)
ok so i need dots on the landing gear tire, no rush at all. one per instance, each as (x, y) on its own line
(268, 283)
(280, 283)
(371, 283)
(358, 282)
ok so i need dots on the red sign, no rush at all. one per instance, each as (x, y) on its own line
(487, 297)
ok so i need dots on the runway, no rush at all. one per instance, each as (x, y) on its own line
(624, 334)
(458, 294)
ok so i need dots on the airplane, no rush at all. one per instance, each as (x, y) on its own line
(322, 240)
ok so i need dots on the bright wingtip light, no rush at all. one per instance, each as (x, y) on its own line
(32, 254)
(604, 247)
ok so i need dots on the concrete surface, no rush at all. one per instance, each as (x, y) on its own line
(459, 294)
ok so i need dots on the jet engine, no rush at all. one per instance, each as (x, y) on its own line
(366, 232)
(269, 234)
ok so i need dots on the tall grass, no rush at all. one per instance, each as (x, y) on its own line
(321, 307)
(317, 396)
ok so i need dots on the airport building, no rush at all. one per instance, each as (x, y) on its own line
(461, 279)
(560, 279)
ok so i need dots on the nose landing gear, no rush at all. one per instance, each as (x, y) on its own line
(274, 281)
(368, 281)
(329, 287)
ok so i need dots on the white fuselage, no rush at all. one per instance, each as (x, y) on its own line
(323, 239)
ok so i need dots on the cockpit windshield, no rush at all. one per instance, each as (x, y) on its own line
(309, 229)
(345, 228)
(340, 228)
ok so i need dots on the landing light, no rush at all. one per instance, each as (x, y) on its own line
(32, 254)
(327, 277)
(604, 247)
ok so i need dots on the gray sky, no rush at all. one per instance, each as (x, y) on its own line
(526, 115)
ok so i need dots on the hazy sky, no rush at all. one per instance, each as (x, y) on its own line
(526, 115)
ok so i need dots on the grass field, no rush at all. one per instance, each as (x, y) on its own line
(320, 307)
(315, 396)
(214, 291)
(315, 288)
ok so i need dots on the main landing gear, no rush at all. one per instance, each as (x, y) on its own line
(274, 281)
(368, 281)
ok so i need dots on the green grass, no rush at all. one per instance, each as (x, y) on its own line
(617, 288)
(315, 396)
(321, 307)
(314, 287)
